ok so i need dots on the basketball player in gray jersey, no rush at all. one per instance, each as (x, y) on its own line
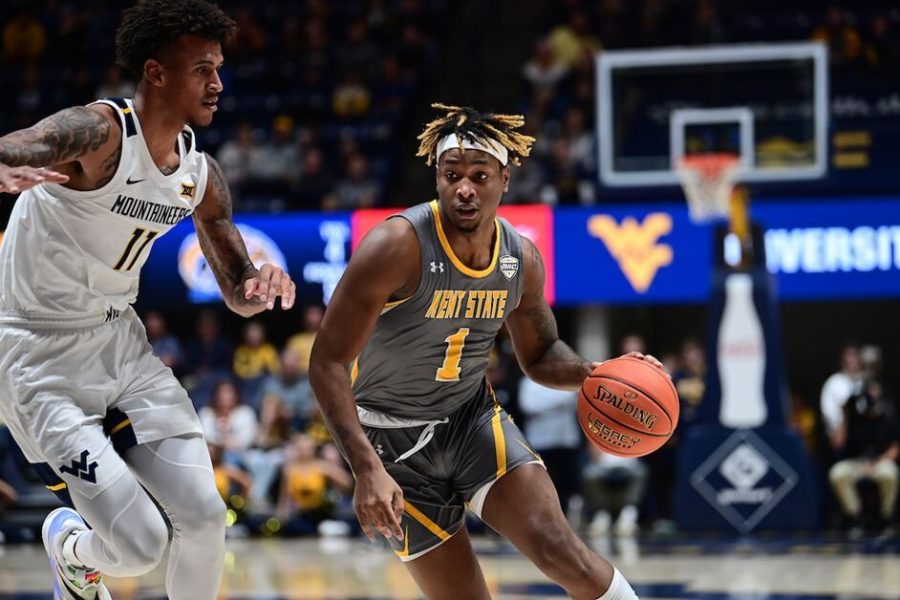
(102, 419)
(399, 371)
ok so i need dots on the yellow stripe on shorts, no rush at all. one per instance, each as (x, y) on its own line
(499, 440)
(427, 523)
(120, 427)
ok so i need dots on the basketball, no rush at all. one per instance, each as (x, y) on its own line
(628, 407)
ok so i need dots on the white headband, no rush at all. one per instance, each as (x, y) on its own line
(492, 147)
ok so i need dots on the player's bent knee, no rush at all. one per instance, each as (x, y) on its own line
(202, 516)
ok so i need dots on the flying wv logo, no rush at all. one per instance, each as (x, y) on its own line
(81, 468)
(635, 246)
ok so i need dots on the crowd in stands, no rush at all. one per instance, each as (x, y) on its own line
(559, 100)
(314, 91)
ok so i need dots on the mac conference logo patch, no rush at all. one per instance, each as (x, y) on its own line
(509, 266)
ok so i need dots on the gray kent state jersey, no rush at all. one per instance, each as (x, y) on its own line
(428, 353)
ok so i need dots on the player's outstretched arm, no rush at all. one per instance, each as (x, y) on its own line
(386, 264)
(78, 141)
(542, 355)
(246, 289)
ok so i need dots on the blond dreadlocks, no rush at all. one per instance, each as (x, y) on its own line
(470, 124)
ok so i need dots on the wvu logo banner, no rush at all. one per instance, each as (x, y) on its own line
(635, 245)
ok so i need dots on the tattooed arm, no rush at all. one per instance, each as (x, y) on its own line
(542, 355)
(245, 289)
(81, 144)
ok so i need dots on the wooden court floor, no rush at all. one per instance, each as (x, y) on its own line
(341, 569)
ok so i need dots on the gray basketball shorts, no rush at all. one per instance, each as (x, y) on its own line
(478, 445)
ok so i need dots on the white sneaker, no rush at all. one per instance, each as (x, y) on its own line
(71, 582)
(626, 524)
(331, 528)
(600, 524)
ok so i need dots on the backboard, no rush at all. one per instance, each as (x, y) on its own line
(766, 103)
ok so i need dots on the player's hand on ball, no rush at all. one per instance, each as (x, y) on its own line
(18, 179)
(268, 284)
(645, 357)
(378, 502)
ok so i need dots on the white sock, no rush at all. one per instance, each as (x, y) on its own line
(619, 588)
(68, 549)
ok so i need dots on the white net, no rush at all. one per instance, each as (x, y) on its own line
(707, 180)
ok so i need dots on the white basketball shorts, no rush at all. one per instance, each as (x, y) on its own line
(57, 385)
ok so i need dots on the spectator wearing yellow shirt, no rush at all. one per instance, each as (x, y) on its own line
(254, 359)
(302, 342)
(310, 486)
(230, 479)
(571, 40)
(24, 38)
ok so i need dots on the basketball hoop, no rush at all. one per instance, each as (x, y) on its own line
(708, 180)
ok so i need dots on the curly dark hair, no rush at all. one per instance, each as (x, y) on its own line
(150, 27)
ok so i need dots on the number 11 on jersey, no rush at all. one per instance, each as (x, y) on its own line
(450, 370)
(136, 235)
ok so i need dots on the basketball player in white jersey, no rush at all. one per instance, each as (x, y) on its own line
(90, 405)
(416, 313)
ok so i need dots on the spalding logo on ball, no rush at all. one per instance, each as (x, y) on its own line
(628, 407)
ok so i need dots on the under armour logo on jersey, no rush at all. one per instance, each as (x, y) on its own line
(80, 468)
(437, 267)
(379, 449)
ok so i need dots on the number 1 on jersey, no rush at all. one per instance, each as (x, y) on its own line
(450, 370)
(135, 236)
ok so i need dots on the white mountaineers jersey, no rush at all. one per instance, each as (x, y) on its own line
(74, 255)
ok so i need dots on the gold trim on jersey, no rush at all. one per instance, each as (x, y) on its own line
(391, 305)
(448, 250)
(427, 523)
(57, 487)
